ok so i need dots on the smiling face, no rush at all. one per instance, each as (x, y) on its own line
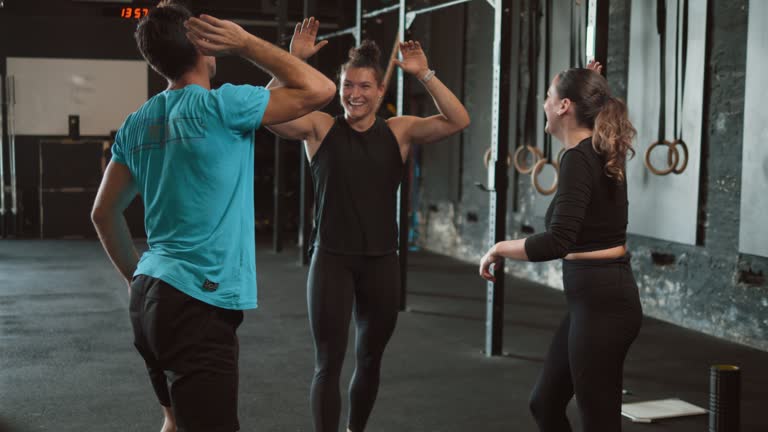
(360, 92)
(554, 108)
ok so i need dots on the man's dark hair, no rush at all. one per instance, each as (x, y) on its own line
(162, 40)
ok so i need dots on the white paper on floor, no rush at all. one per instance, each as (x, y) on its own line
(646, 412)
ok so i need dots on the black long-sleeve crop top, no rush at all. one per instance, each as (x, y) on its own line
(588, 212)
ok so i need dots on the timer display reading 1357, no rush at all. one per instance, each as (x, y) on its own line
(133, 12)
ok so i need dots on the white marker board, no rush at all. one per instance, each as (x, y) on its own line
(753, 233)
(48, 90)
(665, 207)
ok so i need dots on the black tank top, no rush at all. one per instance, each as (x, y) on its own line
(356, 176)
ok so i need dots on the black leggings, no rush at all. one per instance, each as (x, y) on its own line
(586, 357)
(337, 286)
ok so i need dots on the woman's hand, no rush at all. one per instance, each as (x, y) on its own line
(595, 66)
(304, 37)
(414, 60)
(215, 37)
(490, 259)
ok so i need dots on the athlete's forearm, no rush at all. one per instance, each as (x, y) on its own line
(447, 103)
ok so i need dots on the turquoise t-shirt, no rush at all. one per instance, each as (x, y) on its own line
(190, 152)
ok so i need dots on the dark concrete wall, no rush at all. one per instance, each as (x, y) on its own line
(709, 287)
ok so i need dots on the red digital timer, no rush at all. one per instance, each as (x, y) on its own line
(133, 12)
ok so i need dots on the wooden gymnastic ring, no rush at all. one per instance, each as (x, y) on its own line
(537, 170)
(684, 160)
(487, 158)
(674, 155)
(516, 158)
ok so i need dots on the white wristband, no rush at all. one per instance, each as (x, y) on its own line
(428, 76)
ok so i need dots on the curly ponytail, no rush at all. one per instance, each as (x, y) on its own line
(606, 115)
(613, 135)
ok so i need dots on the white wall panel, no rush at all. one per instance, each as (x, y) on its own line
(753, 231)
(665, 207)
(101, 92)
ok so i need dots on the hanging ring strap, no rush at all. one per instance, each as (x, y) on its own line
(574, 50)
(520, 102)
(579, 29)
(577, 57)
(680, 64)
(530, 108)
(547, 63)
(672, 155)
(547, 159)
(538, 169)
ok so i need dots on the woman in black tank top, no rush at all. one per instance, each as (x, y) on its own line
(357, 163)
(586, 225)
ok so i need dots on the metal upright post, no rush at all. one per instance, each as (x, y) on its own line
(278, 178)
(497, 169)
(597, 32)
(601, 33)
(358, 22)
(277, 193)
(13, 228)
(402, 193)
(2, 157)
(305, 181)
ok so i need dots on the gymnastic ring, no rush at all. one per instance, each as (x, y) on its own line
(516, 158)
(684, 160)
(675, 157)
(537, 170)
(487, 158)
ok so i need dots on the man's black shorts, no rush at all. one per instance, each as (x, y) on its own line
(191, 352)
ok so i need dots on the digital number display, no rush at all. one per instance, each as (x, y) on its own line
(133, 12)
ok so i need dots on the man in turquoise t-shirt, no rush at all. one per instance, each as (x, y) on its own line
(188, 152)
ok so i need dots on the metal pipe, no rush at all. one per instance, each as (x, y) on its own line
(401, 38)
(358, 22)
(437, 7)
(273, 24)
(346, 31)
(12, 143)
(402, 222)
(278, 178)
(381, 11)
(3, 103)
(497, 170)
(602, 16)
(305, 181)
(410, 16)
(591, 24)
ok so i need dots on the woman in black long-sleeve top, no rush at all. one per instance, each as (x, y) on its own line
(586, 227)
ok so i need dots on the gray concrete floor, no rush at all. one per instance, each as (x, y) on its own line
(67, 363)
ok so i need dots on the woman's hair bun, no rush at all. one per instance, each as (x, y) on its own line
(367, 52)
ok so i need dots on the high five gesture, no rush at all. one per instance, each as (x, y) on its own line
(303, 43)
(414, 61)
